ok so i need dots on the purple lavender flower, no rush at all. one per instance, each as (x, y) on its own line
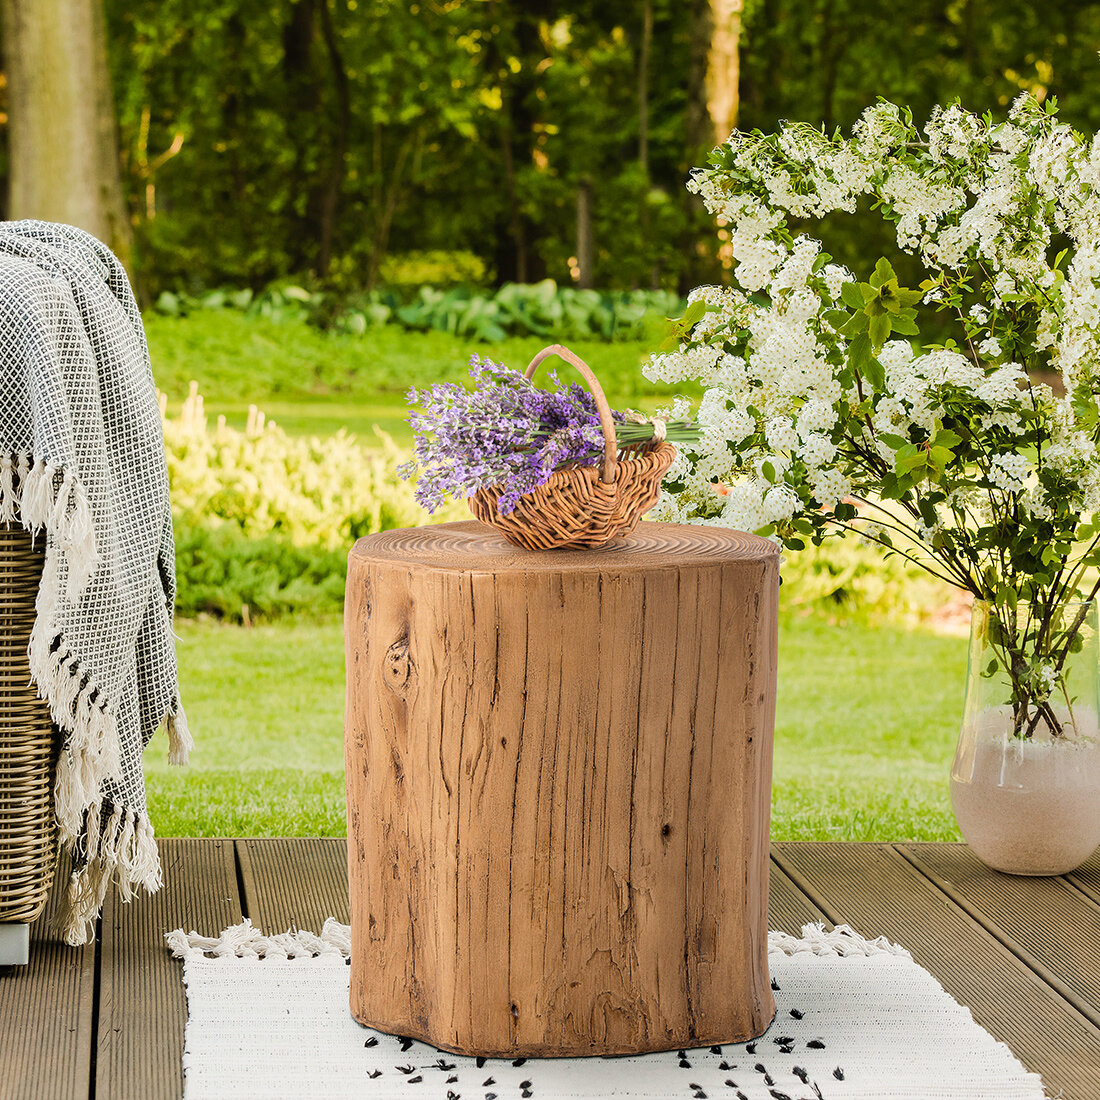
(505, 431)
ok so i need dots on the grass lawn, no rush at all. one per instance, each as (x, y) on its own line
(865, 732)
(313, 382)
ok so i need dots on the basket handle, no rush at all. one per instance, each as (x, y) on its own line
(610, 464)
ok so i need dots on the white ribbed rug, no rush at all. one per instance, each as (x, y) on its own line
(856, 1020)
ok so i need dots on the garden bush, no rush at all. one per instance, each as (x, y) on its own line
(264, 519)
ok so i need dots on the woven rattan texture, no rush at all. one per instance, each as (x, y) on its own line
(575, 508)
(28, 747)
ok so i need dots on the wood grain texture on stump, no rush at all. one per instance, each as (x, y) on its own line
(559, 777)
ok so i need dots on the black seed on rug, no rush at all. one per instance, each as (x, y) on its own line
(405, 1069)
(724, 1065)
(732, 1084)
(751, 1048)
(681, 1054)
(487, 1082)
(452, 1080)
(441, 1064)
(374, 1073)
(716, 1050)
(817, 1091)
(742, 1096)
(371, 1042)
(525, 1084)
(415, 1080)
(700, 1095)
(783, 1040)
(693, 1085)
(480, 1062)
(684, 1064)
(490, 1096)
(778, 1095)
(452, 1095)
(838, 1073)
(347, 962)
(526, 1094)
(518, 1061)
(801, 1074)
(785, 1050)
(816, 1044)
(775, 985)
(760, 1067)
(797, 1014)
(768, 1079)
(405, 1042)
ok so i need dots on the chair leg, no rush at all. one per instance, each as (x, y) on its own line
(15, 940)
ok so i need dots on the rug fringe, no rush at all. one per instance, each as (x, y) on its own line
(245, 941)
(842, 940)
(122, 849)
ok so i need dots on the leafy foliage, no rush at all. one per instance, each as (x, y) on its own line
(542, 309)
(265, 519)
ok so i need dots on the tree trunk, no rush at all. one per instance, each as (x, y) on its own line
(645, 48)
(559, 774)
(585, 248)
(723, 67)
(63, 137)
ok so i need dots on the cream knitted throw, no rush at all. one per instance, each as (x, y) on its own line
(82, 465)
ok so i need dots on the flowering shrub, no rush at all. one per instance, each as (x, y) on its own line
(265, 519)
(823, 410)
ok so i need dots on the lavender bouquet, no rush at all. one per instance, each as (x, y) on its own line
(507, 432)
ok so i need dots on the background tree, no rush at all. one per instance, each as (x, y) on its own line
(63, 148)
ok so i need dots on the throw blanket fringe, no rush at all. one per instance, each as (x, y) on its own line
(245, 941)
(110, 845)
(121, 849)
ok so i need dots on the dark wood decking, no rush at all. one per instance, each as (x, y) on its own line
(106, 1022)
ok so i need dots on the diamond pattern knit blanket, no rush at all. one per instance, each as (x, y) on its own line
(856, 1019)
(82, 465)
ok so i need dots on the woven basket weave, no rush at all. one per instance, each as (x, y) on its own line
(28, 747)
(582, 506)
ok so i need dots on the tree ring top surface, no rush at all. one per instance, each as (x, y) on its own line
(475, 547)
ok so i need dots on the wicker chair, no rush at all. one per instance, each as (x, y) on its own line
(28, 754)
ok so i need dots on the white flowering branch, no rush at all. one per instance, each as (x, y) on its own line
(819, 394)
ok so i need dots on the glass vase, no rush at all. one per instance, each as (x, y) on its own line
(1025, 783)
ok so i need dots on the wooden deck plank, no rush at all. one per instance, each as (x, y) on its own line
(142, 1006)
(295, 883)
(875, 889)
(46, 1018)
(788, 907)
(1051, 926)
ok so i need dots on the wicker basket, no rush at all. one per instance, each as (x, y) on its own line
(28, 747)
(582, 506)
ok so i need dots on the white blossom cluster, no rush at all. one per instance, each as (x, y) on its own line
(788, 432)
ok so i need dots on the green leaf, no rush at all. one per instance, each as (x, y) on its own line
(850, 296)
(879, 330)
(895, 441)
(884, 272)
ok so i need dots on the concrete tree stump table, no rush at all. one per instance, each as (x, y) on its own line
(558, 778)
